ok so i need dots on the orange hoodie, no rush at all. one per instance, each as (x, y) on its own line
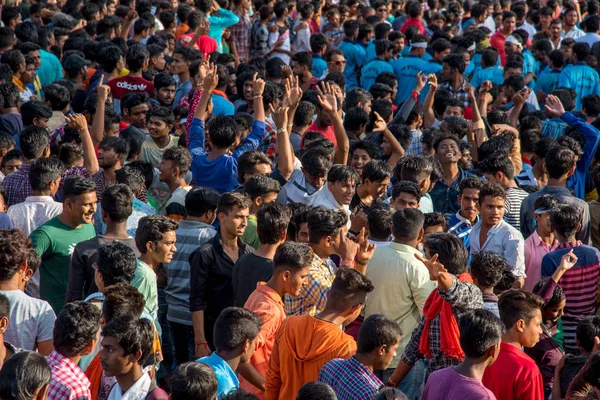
(303, 345)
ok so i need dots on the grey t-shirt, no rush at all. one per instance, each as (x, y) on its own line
(31, 320)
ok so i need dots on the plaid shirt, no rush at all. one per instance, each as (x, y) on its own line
(313, 296)
(101, 183)
(461, 94)
(415, 148)
(17, 186)
(350, 379)
(463, 297)
(68, 380)
(240, 33)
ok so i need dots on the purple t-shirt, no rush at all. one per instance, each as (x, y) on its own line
(447, 384)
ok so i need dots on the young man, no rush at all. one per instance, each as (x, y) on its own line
(339, 190)
(515, 374)
(493, 233)
(290, 273)
(218, 169)
(32, 318)
(578, 282)
(38, 208)
(112, 153)
(580, 77)
(193, 232)
(137, 62)
(160, 122)
(369, 73)
(401, 287)
(221, 104)
(273, 220)
(486, 269)
(211, 269)
(354, 53)
(236, 331)
(173, 168)
(480, 338)
(405, 195)
(375, 178)
(54, 240)
(182, 59)
(499, 169)
(134, 108)
(508, 26)
(378, 341)
(302, 67)
(418, 169)
(164, 90)
(126, 345)
(291, 366)
(409, 68)
(262, 190)
(75, 335)
(192, 380)
(26, 375)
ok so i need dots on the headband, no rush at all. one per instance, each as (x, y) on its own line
(513, 40)
(422, 45)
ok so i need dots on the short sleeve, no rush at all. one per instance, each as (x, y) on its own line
(45, 330)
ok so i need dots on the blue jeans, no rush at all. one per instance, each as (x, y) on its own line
(413, 383)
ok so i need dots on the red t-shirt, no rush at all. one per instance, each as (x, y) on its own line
(514, 375)
(205, 43)
(413, 22)
(328, 133)
(119, 87)
(498, 41)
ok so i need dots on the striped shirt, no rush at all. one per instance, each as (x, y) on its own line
(512, 206)
(190, 235)
(580, 285)
(461, 227)
(313, 295)
(350, 379)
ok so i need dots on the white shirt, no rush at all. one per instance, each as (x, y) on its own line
(503, 239)
(325, 198)
(574, 33)
(138, 391)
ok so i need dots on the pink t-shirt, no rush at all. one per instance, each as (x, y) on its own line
(535, 250)
(447, 384)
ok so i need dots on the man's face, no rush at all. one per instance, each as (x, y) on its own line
(386, 147)
(324, 117)
(179, 65)
(360, 158)
(29, 74)
(571, 18)
(165, 95)
(235, 221)
(107, 157)
(342, 191)
(508, 25)
(114, 361)
(165, 248)
(532, 330)
(37, 18)
(297, 280)
(491, 210)
(448, 151)
(512, 71)
(468, 201)
(405, 200)
(337, 64)
(11, 166)
(84, 207)
(112, 130)
(377, 188)
(315, 181)
(399, 45)
(159, 62)
(298, 69)
(384, 360)
(37, 58)
(511, 48)
(158, 128)
(166, 170)
(440, 56)
(42, 122)
(466, 161)
(248, 91)
(555, 30)
(137, 115)
(381, 11)
(447, 72)
(302, 234)
(545, 21)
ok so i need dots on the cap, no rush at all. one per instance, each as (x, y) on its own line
(74, 62)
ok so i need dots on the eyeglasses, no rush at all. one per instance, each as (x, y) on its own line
(343, 62)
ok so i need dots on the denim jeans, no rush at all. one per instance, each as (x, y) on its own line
(413, 383)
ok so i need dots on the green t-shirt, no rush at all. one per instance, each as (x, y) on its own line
(54, 242)
(145, 281)
(250, 236)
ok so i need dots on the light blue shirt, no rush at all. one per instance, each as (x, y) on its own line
(504, 239)
(370, 72)
(319, 66)
(355, 58)
(493, 74)
(226, 377)
(582, 79)
(221, 106)
(406, 70)
(224, 19)
(50, 69)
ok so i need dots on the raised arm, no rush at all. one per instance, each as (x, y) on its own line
(428, 114)
(196, 131)
(379, 125)
(79, 123)
(518, 101)
(129, 18)
(328, 102)
(408, 105)
(256, 136)
(98, 124)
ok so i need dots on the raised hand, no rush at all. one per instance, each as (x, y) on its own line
(211, 79)
(433, 83)
(554, 107)
(379, 124)
(365, 248)
(76, 121)
(287, 70)
(520, 97)
(258, 85)
(326, 97)
(102, 89)
(567, 261)
(347, 248)
(485, 87)
(358, 221)
(280, 116)
(435, 268)
(295, 93)
(421, 81)
(471, 91)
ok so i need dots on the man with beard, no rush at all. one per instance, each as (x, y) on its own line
(55, 240)
(164, 90)
(111, 156)
(462, 222)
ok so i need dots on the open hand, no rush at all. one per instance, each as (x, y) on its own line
(327, 98)
(554, 107)
(76, 121)
(280, 116)
(435, 268)
(211, 79)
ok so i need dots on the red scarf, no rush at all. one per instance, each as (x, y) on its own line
(449, 333)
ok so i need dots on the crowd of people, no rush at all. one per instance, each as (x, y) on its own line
(287, 200)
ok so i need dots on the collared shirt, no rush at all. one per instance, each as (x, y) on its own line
(268, 305)
(350, 379)
(33, 212)
(535, 250)
(574, 33)
(68, 380)
(226, 377)
(17, 186)
(402, 286)
(504, 239)
(590, 38)
(415, 148)
(461, 227)
(313, 295)
(356, 56)
(240, 33)
(463, 297)
(582, 78)
(325, 198)
(445, 199)
(461, 94)
(139, 390)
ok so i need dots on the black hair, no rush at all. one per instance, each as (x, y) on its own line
(13, 58)
(323, 222)
(498, 162)
(162, 80)
(76, 326)
(380, 221)
(260, 185)
(248, 162)
(109, 56)
(15, 248)
(273, 68)
(380, 90)
(316, 390)
(342, 173)
(272, 221)
(58, 96)
(558, 295)
(487, 267)
(44, 171)
(377, 330)
(132, 334)
(559, 161)
(304, 113)
(406, 187)
(116, 263)
(151, 229)
(117, 202)
(122, 299)
(163, 113)
(222, 130)
(33, 141)
(76, 185)
(134, 139)
(318, 42)
(587, 330)
(489, 57)
(371, 148)
(131, 100)
(234, 326)
(315, 162)
(348, 286)
(450, 249)
(435, 219)
(415, 169)
(407, 223)
(515, 305)
(193, 380)
(354, 118)
(200, 200)
(180, 157)
(9, 13)
(479, 330)
(455, 61)
(355, 96)
(230, 200)
(492, 190)
(292, 255)
(24, 375)
(131, 176)
(558, 58)
(136, 56)
(376, 171)
(565, 220)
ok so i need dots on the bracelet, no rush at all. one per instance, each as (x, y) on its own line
(281, 130)
(257, 96)
(360, 262)
(204, 343)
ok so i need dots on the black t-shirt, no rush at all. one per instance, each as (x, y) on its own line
(247, 272)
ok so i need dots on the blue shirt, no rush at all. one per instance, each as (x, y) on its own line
(221, 106)
(371, 54)
(547, 81)
(582, 79)
(432, 67)
(493, 74)
(5, 222)
(475, 64)
(355, 58)
(220, 173)
(406, 70)
(182, 90)
(50, 69)
(461, 227)
(224, 19)
(370, 72)
(553, 128)
(445, 199)
(592, 138)
(319, 66)
(226, 377)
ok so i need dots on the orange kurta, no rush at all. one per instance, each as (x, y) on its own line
(303, 345)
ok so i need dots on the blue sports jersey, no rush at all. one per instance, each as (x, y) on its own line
(493, 74)
(355, 58)
(432, 67)
(371, 70)
(582, 79)
(406, 70)
(371, 53)
(319, 66)
(547, 81)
